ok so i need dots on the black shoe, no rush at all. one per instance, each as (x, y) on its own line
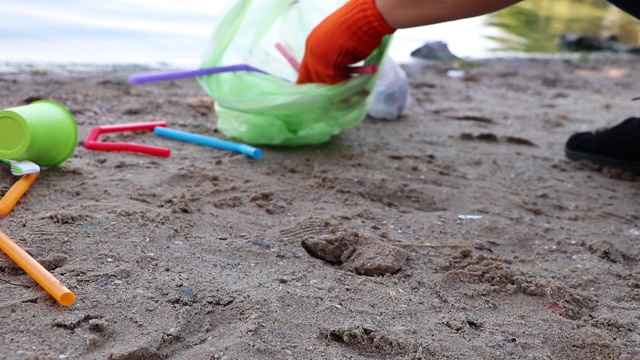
(617, 147)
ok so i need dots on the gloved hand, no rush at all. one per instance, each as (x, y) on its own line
(347, 36)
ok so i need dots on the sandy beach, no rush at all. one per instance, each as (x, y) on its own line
(459, 231)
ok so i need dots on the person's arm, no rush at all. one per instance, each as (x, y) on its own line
(402, 14)
(352, 32)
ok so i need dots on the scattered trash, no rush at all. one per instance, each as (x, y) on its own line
(92, 142)
(469, 217)
(287, 55)
(43, 132)
(271, 109)
(208, 141)
(391, 95)
(43, 277)
(17, 190)
(40, 134)
(470, 117)
(493, 138)
(476, 244)
(456, 74)
(366, 69)
(19, 168)
(634, 232)
(258, 242)
(137, 79)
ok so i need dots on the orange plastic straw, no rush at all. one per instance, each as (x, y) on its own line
(52, 285)
(16, 191)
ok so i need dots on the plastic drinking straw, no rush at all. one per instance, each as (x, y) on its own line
(208, 141)
(10, 199)
(92, 142)
(287, 55)
(43, 277)
(364, 69)
(185, 74)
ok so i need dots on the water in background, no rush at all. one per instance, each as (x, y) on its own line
(175, 32)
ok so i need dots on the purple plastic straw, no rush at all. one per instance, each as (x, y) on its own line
(186, 74)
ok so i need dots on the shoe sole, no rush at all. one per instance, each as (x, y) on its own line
(630, 166)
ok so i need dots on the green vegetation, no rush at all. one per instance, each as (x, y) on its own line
(535, 25)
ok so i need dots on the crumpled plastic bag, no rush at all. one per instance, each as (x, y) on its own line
(270, 109)
(392, 94)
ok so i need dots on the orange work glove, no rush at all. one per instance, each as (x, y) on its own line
(347, 36)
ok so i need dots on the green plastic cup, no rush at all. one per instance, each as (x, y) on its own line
(43, 132)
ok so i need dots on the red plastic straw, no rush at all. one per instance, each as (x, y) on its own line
(365, 69)
(92, 142)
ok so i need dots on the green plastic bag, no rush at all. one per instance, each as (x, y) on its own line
(270, 109)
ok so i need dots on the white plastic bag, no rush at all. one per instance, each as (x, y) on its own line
(391, 95)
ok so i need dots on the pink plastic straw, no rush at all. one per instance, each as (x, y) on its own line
(287, 55)
(365, 69)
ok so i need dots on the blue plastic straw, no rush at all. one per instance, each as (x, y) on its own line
(208, 141)
(185, 74)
